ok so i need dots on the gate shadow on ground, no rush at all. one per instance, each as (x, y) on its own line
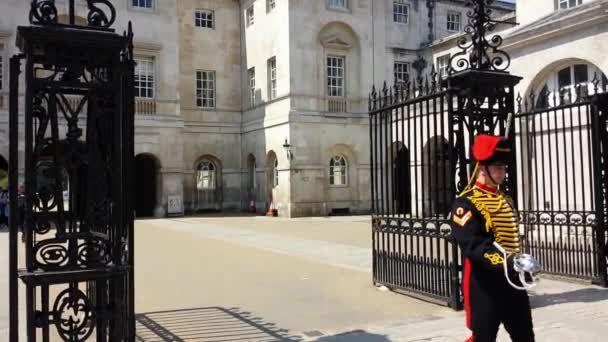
(207, 324)
(355, 336)
(587, 295)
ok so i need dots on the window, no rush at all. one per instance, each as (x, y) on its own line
(568, 90)
(205, 89)
(335, 76)
(453, 21)
(272, 78)
(250, 16)
(401, 12)
(144, 77)
(275, 173)
(205, 176)
(270, 5)
(565, 4)
(338, 4)
(251, 76)
(204, 18)
(443, 63)
(402, 72)
(143, 3)
(338, 171)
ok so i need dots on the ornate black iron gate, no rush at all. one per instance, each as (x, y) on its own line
(421, 133)
(77, 136)
(561, 142)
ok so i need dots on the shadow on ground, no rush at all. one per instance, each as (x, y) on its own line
(207, 324)
(587, 295)
(355, 336)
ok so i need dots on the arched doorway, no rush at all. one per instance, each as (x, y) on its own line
(146, 184)
(402, 183)
(272, 176)
(438, 182)
(207, 184)
(251, 181)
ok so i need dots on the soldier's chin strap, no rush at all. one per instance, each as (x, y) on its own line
(471, 180)
(474, 177)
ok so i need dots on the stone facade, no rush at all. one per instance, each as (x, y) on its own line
(237, 82)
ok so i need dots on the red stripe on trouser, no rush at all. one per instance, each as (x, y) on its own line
(466, 288)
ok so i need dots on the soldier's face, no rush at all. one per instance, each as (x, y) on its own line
(498, 173)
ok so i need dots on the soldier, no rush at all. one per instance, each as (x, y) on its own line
(481, 215)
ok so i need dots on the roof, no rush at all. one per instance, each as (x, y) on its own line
(559, 15)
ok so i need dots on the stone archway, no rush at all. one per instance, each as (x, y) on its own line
(438, 186)
(147, 180)
(402, 182)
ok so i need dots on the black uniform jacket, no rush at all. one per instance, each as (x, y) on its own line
(478, 218)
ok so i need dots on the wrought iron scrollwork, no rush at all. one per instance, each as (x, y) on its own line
(74, 315)
(101, 15)
(52, 254)
(477, 51)
(98, 17)
(43, 12)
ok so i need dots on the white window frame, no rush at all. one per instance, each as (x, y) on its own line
(401, 69)
(205, 89)
(201, 22)
(271, 5)
(442, 69)
(566, 4)
(250, 15)
(401, 12)
(251, 85)
(453, 21)
(137, 4)
(206, 175)
(338, 170)
(150, 71)
(340, 83)
(275, 172)
(338, 5)
(272, 78)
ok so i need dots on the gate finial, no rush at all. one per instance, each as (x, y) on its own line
(480, 53)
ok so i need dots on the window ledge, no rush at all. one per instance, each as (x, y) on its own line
(337, 9)
(338, 186)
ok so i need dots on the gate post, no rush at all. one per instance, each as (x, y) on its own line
(14, 219)
(77, 137)
(599, 146)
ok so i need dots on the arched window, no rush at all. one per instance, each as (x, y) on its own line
(275, 173)
(338, 170)
(566, 83)
(205, 175)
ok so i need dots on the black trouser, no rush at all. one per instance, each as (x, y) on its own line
(489, 301)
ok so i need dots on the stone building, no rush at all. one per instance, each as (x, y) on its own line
(261, 102)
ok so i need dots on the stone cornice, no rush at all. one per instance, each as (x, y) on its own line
(592, 16)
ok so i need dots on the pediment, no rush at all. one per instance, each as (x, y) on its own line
(336, 42)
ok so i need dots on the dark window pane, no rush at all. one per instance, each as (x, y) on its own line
(580, 73)
(564, 78)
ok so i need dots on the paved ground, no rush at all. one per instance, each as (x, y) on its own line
(268, 279)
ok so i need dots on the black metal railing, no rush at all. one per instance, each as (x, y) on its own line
(412, 189)
(557, 174)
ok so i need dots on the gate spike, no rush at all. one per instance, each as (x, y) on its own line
(578, 92)
(433, 79)
(555, 95)
(384, 95)
(426, 84)
(518, 99)
(595, 83)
